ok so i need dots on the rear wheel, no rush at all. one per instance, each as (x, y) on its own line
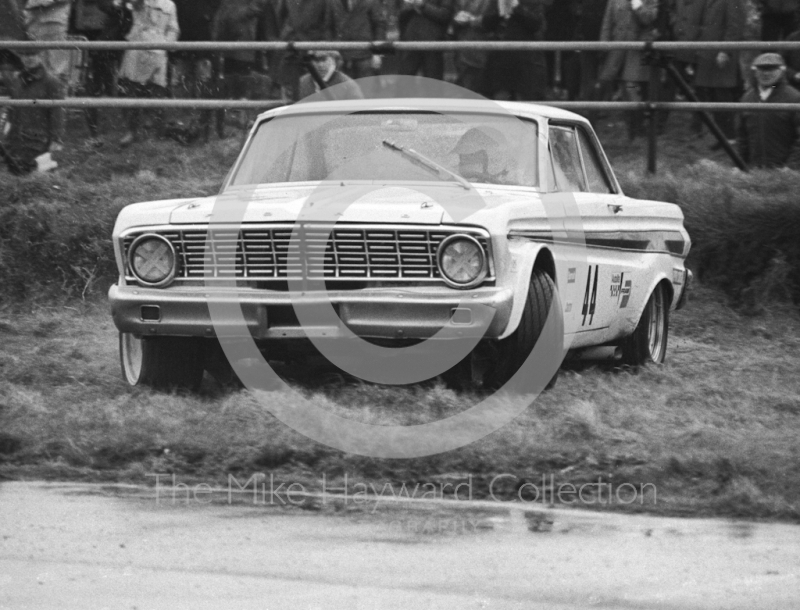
(648, 343)
(164, 363)
(515, 349)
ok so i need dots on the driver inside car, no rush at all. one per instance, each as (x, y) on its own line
(475, 149)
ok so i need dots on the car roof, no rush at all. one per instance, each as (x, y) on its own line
(526, 109)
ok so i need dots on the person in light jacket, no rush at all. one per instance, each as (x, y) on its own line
(49, 20)
(144, 73)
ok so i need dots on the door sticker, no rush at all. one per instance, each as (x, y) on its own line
(621, 289)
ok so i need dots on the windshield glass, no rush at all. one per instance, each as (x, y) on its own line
(482, 148)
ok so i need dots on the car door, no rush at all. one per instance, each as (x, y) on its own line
(580, 170)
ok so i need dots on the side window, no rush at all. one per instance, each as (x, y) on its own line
(566, 160)
(596, 177)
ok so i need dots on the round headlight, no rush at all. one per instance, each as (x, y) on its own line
(152, 260)
(462, 261)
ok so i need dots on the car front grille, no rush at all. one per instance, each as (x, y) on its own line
(263, 253)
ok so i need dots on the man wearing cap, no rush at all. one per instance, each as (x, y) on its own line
(766, 139)
(35, 132)
(338, 86)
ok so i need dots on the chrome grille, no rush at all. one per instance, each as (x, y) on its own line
(349, 252)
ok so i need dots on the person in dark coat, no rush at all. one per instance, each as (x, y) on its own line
(521, 75)
(589, 15)
(360, 21)
(779, 18)
(792, 59)
(425, 20)
(300, 21)
(766, 139)
(338, 86)
(717, 76)
(629, 20)
(101, 20)
(194, 73)
(468, 26)
(237, 21)
(34, 131)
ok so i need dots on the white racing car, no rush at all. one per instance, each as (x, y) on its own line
(417, 221)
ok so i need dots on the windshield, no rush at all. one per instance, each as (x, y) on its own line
(493, 149)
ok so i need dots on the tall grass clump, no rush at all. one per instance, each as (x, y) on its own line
(745, 227)
(55, 229)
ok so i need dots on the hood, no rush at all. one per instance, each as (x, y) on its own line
(391, 204)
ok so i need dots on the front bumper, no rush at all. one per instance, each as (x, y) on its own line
(687, 286)
(379, 313)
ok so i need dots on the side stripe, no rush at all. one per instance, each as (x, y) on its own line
(633, 241)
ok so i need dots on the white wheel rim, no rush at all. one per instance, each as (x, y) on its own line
(655, 331)
(132, 357)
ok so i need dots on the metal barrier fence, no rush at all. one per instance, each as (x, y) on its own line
(657, 52)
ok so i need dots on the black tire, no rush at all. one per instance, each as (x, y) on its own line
(648, 343)
(515, 349)
(164, 363)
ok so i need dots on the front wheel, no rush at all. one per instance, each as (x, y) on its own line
(514, 350)
(648, 343)
(164, 363)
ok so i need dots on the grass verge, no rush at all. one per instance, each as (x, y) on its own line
(714, 430)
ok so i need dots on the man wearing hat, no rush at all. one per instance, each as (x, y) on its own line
(35, 132)
(766, 139)
(338, 86)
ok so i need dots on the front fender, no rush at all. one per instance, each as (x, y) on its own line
(515, 270)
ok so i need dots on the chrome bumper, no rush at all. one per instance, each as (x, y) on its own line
(380, 313)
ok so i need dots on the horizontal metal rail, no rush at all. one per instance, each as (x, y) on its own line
(264, 105)
(402, 45)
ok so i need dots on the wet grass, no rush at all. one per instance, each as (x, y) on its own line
(714, 430)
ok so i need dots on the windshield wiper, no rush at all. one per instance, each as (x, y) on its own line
(422, 161)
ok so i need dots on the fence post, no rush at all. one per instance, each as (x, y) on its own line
(653, 94)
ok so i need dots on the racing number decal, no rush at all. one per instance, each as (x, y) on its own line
(590, 299)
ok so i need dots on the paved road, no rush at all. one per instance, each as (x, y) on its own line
(92, 547)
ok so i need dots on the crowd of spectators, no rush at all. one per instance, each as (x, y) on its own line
(515, 75)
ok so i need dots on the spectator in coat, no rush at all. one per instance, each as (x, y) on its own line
(237, 21)
(338, 86)
(300, 21)
(752, 30)
(49, 20)
(520, 75)
(766, 139)
(194, 74)
(589, 24)
(144, 73)
(360, 21)
(779, 18)
(101, 20)
(562, 66)
(792, 59)
(717, 76)
(629, 20)
(35, 132)
(467, 26)
(425, 20)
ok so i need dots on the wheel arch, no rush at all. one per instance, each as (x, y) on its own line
(659, 280)
(527, 256)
